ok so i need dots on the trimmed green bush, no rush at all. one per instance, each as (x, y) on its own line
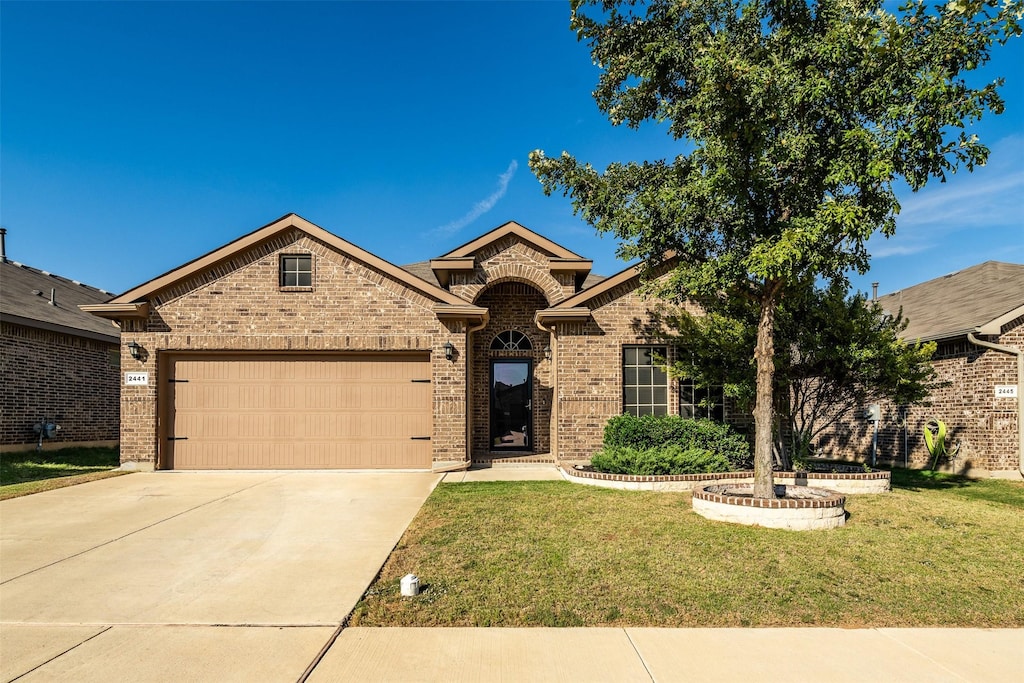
(659, 431)
(671, 459)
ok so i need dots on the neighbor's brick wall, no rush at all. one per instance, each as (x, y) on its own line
(70, 380)
(589, 360)
(512, 306)
(985, 426)
(238, 306)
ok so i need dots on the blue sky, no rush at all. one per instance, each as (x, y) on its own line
(137, 136)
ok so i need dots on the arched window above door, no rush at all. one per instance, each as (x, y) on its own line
(511, 340)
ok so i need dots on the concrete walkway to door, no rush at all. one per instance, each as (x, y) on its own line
(192, 575)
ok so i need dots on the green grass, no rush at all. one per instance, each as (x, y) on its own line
(25, 472)
(937, 551)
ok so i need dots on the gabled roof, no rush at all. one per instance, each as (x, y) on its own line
(268, 231)
(512, 228)
(978, 299)
(25, 295)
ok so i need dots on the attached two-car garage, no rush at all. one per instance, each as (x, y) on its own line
(309, 411)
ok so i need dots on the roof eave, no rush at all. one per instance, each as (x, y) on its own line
(118, 311)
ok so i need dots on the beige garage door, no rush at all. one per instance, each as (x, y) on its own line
(299, 412)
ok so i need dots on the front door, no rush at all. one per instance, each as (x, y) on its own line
(511, 404)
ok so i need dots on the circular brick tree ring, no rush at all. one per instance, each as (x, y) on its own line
(798, 508)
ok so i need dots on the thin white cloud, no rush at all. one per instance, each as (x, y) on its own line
(983, 201)
(482, 206)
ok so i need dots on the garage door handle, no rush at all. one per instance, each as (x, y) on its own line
(177, 438)
(420, 438)
(421, 381)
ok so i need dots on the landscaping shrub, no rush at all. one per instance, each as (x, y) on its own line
(670, 459)
(658, 431)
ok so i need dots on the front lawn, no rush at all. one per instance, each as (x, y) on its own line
(937, 551)
(25, 472)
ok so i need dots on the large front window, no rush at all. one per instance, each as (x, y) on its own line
(644, 383)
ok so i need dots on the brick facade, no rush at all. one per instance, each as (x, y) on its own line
(239, 306)
(71, 380)
(984, 427)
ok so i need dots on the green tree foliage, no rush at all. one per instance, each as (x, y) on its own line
(799, 116)
(833, 353)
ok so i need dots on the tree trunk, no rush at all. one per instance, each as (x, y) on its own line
(764, 356)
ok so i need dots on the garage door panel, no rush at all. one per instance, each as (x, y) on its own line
(288, 412)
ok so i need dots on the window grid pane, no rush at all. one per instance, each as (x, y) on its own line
(695, 402)
(296, 271)
(644, 385)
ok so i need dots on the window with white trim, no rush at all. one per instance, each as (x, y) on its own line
(644, 383)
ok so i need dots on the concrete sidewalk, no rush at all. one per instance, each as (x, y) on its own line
(664, 655)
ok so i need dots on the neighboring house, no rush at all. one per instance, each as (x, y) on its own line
(292, 348)
(964, 313)
(58, 364)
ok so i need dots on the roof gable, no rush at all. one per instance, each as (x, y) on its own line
(287, 222)
(539, 242)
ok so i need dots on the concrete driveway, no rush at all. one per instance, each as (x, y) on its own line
(192, 576)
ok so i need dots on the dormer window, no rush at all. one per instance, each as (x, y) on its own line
(297, 270)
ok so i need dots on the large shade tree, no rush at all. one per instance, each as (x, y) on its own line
(798, 116)
(834, 354)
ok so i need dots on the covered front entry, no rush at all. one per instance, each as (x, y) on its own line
(309, 411)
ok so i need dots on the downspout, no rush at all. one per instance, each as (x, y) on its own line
(553, 420)
(1014, 351)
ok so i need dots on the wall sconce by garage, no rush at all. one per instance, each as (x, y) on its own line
(135, 349)
(547, 352)
(449, 350)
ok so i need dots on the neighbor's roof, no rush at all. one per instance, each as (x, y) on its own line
(978, 299)
(25, 300)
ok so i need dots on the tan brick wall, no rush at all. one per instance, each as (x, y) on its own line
(512, 260)
(71, 380)
(985, 426)
(589, 367)
(238, 306)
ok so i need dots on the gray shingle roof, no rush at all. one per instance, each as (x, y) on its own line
(25, 300)
(955, 304)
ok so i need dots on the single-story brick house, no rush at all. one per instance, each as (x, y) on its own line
(293, 348)
(58, 364)
(976, 318)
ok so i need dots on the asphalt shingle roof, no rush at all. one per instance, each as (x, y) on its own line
(25, 299)
(955, 304)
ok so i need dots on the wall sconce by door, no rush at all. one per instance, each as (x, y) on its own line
(547, 352)
(135, 349)
(449, 350)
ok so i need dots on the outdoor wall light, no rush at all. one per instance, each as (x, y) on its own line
(135, 349)
(449, 350)
(547, 352)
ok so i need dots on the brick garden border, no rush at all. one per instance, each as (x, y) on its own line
(849, 479)
(798, 508)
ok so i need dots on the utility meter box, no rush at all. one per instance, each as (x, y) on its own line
(873, 413)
